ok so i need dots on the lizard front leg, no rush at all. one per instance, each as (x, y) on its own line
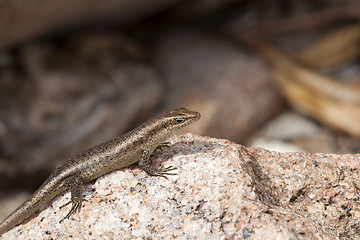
(145, 164)
(75, 186)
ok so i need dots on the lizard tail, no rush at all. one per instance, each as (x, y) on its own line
(21, 213)
(43, 195)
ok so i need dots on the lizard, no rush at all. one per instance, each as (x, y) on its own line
(134, 146)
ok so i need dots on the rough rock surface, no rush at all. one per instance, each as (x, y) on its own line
(324, 188)
(222, 191)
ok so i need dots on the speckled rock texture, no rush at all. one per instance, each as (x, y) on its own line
(222, 191)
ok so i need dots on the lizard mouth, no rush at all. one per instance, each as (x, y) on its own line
(196, 116)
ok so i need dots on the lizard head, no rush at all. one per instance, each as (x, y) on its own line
(178, 118)
(163, 126)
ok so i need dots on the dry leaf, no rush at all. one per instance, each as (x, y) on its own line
(333, 49)
(334, 103)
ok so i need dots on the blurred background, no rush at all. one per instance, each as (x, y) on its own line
(282, 74)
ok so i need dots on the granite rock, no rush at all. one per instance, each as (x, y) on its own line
(222, 191)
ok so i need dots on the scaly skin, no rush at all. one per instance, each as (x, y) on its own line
(134, 146)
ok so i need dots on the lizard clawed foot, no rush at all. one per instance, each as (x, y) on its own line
(163, 171)
(164, 144)
(76, 204)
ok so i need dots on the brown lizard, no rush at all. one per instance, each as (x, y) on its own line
(134, 146)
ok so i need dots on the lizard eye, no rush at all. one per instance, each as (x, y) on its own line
(179, 120)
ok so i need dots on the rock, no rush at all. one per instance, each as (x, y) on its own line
(290, 125)
(219, 79)
(222, 191)
(22, 20)
(275, 145)
(292, 132)
(323, 188)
